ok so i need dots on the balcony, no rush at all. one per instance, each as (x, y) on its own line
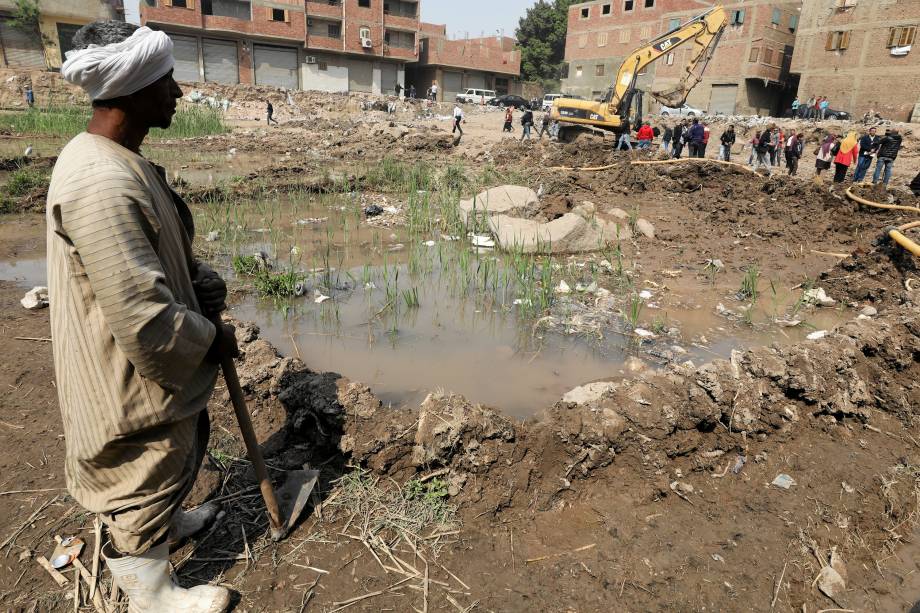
(324, 8)
(399, 21)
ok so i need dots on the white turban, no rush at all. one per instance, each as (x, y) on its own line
(120, 69)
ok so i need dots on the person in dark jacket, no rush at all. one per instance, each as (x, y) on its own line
(527, 122)
(888, 149)
(793, 150)
(762, 149)
(677, 139)
(270, 112)
(666, 139)
(868, 146)
(695, 136)
(728, 140)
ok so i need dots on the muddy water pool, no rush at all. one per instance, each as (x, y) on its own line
(404, 302)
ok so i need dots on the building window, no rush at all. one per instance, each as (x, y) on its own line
(649, 4)
(646, 32)
(334, 30)
(628, 5)
(179, 4)
(578, 72)
(737, 17)
(837, 41)
(624, 35)
(793, 23)
(322, 66)
(602, 39)
(768, 56)
(582, 41)
(366, 4)
(669, 60)
(586, 12)
(279, 15)
(605, 10)
(777, 17)
(901, 37)
(755, 54)
(599, 70)
(673, 24)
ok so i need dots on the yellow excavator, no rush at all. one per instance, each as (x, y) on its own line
(612, 113)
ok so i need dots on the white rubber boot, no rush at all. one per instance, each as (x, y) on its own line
(188, 523)
(148, 583)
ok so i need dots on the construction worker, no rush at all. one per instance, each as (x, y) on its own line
(135, 355)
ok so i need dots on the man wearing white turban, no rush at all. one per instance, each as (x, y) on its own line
(135, 353)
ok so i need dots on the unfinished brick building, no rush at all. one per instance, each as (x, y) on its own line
(490, 62)
(328, 45)
(859, 54)
(748, 74)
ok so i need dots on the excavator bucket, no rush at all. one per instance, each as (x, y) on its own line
(673, 98)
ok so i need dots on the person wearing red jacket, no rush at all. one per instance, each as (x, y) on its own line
(645, 136)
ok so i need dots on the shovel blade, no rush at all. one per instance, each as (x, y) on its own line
(293, 496)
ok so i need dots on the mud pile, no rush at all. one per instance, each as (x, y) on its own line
(863, 367)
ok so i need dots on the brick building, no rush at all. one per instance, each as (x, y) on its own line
(858, 54)
(327, 45)
(749, 72)
(490, 62)
(58, 22)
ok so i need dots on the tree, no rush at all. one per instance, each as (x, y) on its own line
(25, 16)
(541, 37)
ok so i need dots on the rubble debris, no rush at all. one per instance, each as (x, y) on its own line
(783, 480)
(819, 296)
(36, 298)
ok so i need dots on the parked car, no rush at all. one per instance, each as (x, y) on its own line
(685, 110)
(510, 100)
(831, 114)
(476, 96)
(548, 101)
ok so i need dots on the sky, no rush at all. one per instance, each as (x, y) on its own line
(476, 17)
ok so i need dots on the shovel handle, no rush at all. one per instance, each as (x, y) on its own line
(252, 443)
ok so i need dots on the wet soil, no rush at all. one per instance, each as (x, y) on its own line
(655, 495)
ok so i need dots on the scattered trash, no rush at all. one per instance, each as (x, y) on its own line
(716, 264)
(370, 285)
(814, 336)
(563, 288)
(818, 296)
(66, 552)
(396, 247)
(643, 333)
(645, 294)
(312, 220)
(320, 297)
(740, 461)
(36, 298)
(212, 236)
(482, 241)
(717, 558)
(784, 481)
(429, 243)
(849, 489)
(831, 580)
(373, 210)
(787, 323)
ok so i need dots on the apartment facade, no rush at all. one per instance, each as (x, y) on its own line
(490, 62)
(859, 54)
(326, 45)
(749, 73)
(60, 19)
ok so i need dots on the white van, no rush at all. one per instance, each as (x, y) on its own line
(476, 96)
(548, 101)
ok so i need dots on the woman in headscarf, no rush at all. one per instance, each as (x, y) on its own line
(823, 161)
(846, 155)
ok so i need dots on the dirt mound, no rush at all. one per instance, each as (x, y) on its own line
(885, 275)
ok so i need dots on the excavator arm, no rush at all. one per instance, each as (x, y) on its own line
(612, 113)
(705, 31)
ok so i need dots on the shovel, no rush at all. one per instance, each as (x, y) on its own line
(298, 485)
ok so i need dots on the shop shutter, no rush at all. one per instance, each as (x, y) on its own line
(723, 98)
(276, 66)
(221, 62)
(22, 50)
(185, 52)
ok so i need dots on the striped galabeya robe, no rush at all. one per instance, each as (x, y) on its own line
(129, 339)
